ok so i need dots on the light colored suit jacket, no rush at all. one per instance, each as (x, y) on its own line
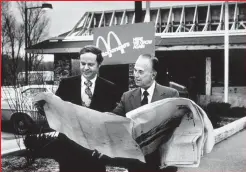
(131, 100)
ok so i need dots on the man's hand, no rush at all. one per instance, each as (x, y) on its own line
(110, 113)
(40, 99)
(40, 106)
(97, 154)
(104, 159)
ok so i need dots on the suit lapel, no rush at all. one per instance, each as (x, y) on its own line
(158, 93)
(135, 98)
(77, 91)
(97, 92)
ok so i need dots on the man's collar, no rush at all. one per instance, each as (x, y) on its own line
(150, 89)
(93, 80)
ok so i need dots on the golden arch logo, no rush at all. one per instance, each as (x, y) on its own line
(121, 47)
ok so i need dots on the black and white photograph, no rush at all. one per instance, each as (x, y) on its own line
(123, 86)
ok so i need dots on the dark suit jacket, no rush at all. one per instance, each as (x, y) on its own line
(131, 100)
(73, 157)
(104, 97)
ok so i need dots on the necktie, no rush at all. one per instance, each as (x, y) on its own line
(145, 99)
(88, 84)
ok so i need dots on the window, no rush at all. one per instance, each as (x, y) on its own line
(31, 92)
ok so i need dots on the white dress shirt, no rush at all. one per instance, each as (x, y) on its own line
(150, 90)
(84, 97)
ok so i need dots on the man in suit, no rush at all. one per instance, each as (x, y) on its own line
(145, 72)
(87, 90)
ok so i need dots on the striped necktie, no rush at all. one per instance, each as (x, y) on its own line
(88, 84)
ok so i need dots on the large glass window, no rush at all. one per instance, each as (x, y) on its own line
(31, 92)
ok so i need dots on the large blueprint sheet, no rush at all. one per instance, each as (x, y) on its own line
(176, 127)
(109, 134)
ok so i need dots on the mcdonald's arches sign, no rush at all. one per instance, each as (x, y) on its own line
(123, 44)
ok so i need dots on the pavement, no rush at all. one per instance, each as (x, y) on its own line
(226, 156)
(7, 136)
(11, 144)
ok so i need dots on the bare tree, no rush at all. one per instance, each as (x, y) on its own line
(37, 28)
(12, 41)
(5, 8)
(13, 36)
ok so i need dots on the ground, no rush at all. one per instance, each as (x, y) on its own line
(18, 164)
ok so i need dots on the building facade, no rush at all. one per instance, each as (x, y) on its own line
(189, 43)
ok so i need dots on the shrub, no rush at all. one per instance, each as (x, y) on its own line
(238, 112)
(36, 144)
(216, 110)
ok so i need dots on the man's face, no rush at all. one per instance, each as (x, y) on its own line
(143, 73)
(88, 65)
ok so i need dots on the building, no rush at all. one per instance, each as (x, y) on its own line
(189, 43)
(36, 77)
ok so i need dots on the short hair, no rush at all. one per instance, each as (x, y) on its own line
(94, 50)
(154, 60)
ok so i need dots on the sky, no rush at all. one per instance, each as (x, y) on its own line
(65, 14)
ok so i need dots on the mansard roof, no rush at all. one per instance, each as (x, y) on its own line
(200, 25)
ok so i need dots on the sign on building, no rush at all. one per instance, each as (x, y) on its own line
(123, 44)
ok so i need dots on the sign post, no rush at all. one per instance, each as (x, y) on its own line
(226, 53)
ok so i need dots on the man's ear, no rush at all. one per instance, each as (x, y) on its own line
(154, 74)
